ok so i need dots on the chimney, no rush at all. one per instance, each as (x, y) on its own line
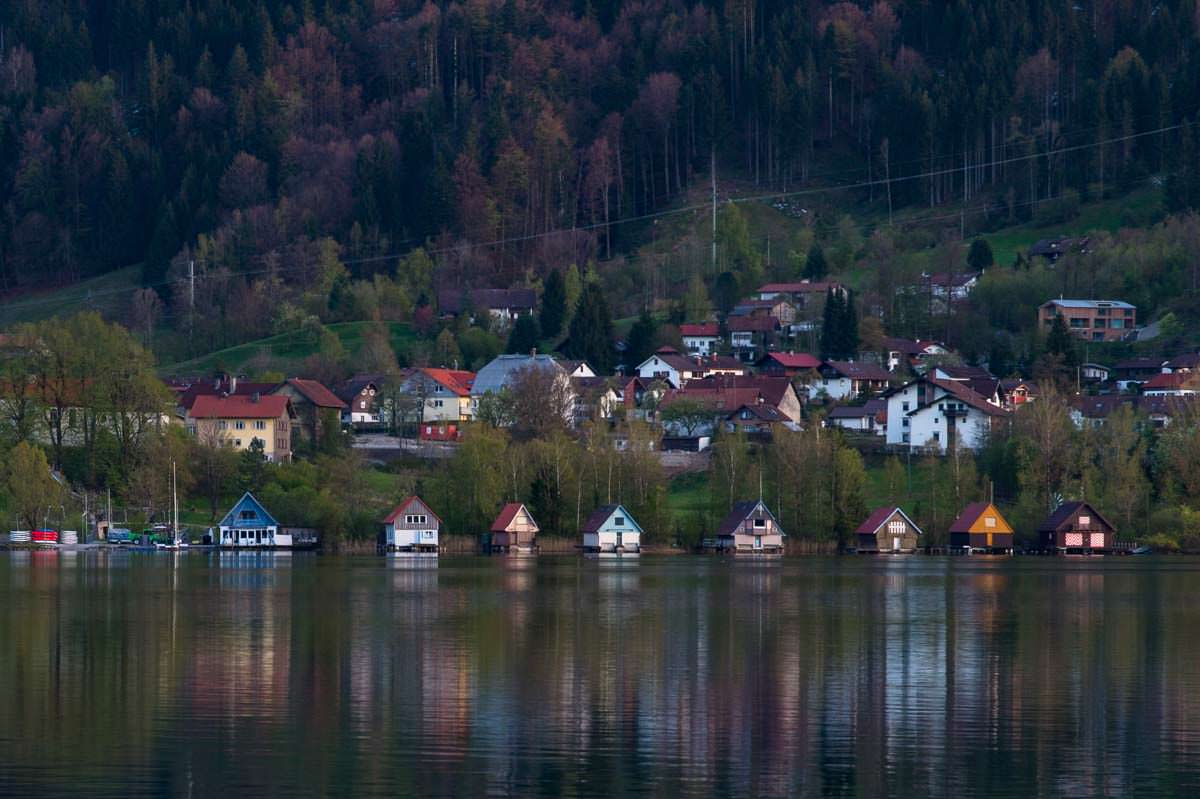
(255, 397)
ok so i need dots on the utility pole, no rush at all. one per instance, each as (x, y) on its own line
(191, 298)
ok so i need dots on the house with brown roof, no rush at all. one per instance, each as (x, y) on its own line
(669, 365)
(751, 335)
(981, 528)
(365, 403)
(907, 352)
(890, 530)
(237, 421)
(700, 339)
(1077, 527)
(412, 526)
(758, 421)
(806, 297)
(847, 379)
(870, 417)
(318, 410)
(504, 305)
(774, 399)
(750, 528)
(1133, 372)
(514, 530)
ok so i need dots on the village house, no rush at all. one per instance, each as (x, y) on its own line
(1053, 249)
(576, 368)
(444, 397)
(806, 297)
(728, 392)
(908, 353)
(640, 398)
(701, 339)
(1076, 527)
(1174, 384)
(1133, 372)
(610, 528)
(841, 380)
(1182, 364)
(751, 335)
(596, 398)
(249, 525)
(1016, 393)
(365, 406)
(778, 309)
(1094, 373)
(318, 411)
(504, 305)
(669, 365)
(411, 527)
(502, 373)
(940, 414)
(870, 417)
(750, 528)
(956, 287)
(514, 530)
(976, 378)
(757, 421)
(981, 528)
(787, 364)
(222, 385)
(1156, 411)
(1093, 320)
(238, 421)
(889, 530)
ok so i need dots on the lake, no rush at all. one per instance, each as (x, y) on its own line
(202, 674)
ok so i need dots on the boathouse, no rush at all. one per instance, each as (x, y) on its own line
(888, 530)
(981, 528)
(249, 525)
(514, 530)
(411, 527)
(750, 528)
(610, 528)
(1076, 527)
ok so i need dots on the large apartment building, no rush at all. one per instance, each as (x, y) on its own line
(1094, 320)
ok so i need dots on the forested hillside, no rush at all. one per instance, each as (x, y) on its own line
(280, 149)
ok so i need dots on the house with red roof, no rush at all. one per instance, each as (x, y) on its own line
(890, 530)
(412, 526)
(1174, 384)
(787, 364)
(701, 339)
(318, 410)
(514, 530)
(237, 421)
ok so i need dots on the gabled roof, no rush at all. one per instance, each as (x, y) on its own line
(315, 392)
(1139, 364)
(1065, 511)
(706, 330)
(684, 363)
(970, 515)
(1189, 360)
(742, 511)
(237, 406)
(871, 408)
(500, 371)
(347, 390)
(857, 370)
(602, 514)
(220, 387)
(879, 516)
(791, 360)
(963, 372)
(248, 502)
(910, 347)
(964, 394)
(457, 381)
(402, 508)
(752, 324)
(508, 513)
(1168, 381)
(763, 413)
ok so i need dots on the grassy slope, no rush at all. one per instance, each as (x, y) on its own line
(109, 294)
(283, 353)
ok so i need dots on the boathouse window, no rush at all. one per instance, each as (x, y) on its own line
(415, 518)
(619, 521)
(896, 528)
(990, 521)
(759, 523)
(247, 514)
(1084, 521)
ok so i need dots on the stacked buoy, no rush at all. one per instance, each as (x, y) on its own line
(70, 537)
(19, 537)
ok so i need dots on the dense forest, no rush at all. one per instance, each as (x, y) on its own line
(279, 148)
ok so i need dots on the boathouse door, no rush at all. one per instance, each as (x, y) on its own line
(896, 543)
(758, 542)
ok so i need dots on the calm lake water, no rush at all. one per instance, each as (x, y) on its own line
(147, 674)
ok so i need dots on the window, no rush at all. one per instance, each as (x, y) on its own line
(239, 425)
(904, 438)
(904, 422)
(437, 403)
(1084, 521)
(1097, 337)
(619, 521)
(260, 425)
(416, 518)
(904, 406)
(1099, 323)
(247, 514)
(760, 524)
(222, 424)
(237, 442)
(896, 527)
(1077, 322)
(1117, 324)
(989, 521)
(937, 436)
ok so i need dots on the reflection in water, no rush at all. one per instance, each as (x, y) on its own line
(142, 673)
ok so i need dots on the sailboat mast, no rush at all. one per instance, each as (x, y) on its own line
(175, 507)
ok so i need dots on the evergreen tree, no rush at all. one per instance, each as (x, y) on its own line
(590, 335)
(640, 342)
(554, 305)
(725, 292)
(815, 265)
(980, 257)
(524, 335)
(831, 326)
(1061, 343)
